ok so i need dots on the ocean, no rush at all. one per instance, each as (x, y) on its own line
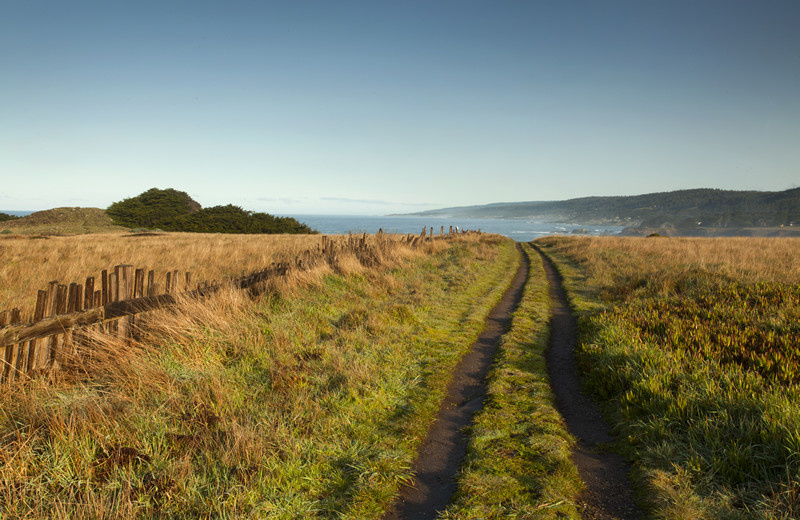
(518, 229)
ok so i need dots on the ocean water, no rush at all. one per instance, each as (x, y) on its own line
(519, 230)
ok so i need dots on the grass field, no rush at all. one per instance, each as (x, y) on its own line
(28, 264)
(306, 403)
(692, 346)
(310, 401)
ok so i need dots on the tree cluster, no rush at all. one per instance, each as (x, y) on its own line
(172, 210)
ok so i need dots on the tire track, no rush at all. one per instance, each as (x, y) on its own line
(442, 452)
(607, 493)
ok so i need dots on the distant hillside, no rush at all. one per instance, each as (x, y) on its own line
(698, 212)
(62, 221)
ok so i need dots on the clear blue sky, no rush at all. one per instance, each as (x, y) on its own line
(373, 107)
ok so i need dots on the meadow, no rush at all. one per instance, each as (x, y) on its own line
(308, 401)
(28, 263)
(692, 346)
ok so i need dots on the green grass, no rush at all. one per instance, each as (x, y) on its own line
(518, 461)
(713, 430)
(309, 404)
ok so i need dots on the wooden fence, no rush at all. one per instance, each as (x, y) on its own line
(109, 304)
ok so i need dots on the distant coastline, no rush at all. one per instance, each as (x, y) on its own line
(695, 212)
(521, 230)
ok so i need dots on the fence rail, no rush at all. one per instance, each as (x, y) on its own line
(110, 303)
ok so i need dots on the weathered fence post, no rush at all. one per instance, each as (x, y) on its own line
(13, 351)
(88, 298)
(151, 283)
(138, 284)
(111, 327)
(106, 294)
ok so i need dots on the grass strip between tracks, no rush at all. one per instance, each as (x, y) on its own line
(518, 461)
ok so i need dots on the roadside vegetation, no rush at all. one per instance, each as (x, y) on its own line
(691, 344)
(307, 402)
(518, 460)
(28, 264)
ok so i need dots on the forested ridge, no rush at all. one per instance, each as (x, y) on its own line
(684, 210)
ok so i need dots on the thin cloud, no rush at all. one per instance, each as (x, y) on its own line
(283, 200)
(374, 201)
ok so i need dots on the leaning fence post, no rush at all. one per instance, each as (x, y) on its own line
(74, 297)
(124, 281)
(88, 298)
(138, 284)
(56, 340)
(39, 350)
(151, 283)
(114, 296)
(105, 293)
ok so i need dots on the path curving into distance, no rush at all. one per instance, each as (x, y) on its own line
(607, 493)
(442, 452)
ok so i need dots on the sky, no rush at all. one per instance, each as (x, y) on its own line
(378, 107)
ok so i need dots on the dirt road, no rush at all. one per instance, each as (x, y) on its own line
(441, 454)
(607, 494)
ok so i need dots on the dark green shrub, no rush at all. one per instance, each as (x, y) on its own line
(173, 210)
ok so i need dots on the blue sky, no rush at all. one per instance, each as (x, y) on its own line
(373, 107)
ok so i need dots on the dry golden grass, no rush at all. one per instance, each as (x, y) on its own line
(225, 399)
(29, 264)
(749, 259)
